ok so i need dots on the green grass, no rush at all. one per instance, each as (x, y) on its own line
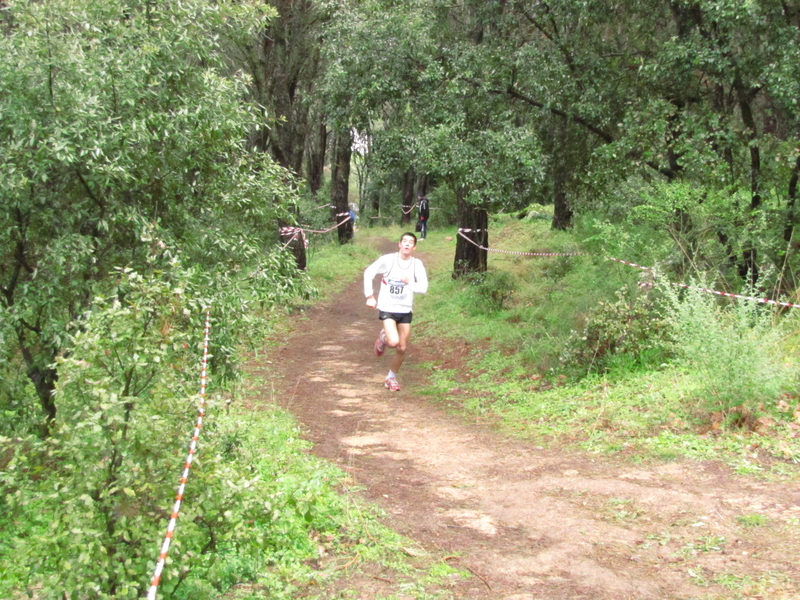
(742, 587)
(515, 326)
(332, 267)
(752, 520)
(308, 527)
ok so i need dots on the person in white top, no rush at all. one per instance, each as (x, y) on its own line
(402, 277)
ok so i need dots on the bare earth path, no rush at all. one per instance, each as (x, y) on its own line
(529, 523)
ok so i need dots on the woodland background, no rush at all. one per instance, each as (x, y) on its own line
(156, 155)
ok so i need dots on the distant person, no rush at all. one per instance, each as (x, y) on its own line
(403, 276)
(423, 212)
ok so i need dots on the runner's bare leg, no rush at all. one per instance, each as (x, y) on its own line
(404, 332)
(391, 333)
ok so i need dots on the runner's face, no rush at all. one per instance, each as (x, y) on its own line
(406, 246)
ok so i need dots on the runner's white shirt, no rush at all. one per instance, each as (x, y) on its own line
(396, 296)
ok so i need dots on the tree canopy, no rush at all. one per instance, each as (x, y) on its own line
(151, 152)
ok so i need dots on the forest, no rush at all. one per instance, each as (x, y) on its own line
(164, 161)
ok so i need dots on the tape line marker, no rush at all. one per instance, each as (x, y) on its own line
(173, 520)
(473, 242)
(631, 264)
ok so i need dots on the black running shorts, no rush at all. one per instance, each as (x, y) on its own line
(399, 317)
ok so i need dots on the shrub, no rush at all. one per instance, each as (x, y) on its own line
(84, 510)
(492, 290)
(732, 351)
(628, 333)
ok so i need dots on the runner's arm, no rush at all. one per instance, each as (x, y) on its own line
(420, 283)
(369, 276)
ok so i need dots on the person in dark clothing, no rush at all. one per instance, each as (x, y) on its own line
(423, 212)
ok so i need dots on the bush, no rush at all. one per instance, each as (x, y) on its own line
(733, 351)
(84, 510)
(627, 334)
(492, 290)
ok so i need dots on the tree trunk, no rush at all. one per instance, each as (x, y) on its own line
(686, 233)
(43, 378)
(408, 196)
(340, 182)
(376, 203)
(315, 158)
(748, 268)
(289, 62)
(294, 239)
(788, 230)
(562, 213)
(473, 222)
(422, 185)
(284, 64)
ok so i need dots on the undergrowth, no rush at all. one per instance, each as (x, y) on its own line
(575, 350)
(84, 510)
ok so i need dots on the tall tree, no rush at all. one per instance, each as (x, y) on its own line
(122, 147)
(695, 94)
(341, 152)
(284, 63)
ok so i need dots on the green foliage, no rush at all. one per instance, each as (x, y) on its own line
(132, 205)
(753, 520)
(253, 508)
(92, 495)
(633, 326)
(644, 397)
(645, 127)
(123, 147)
(491, 291)
(733, 353)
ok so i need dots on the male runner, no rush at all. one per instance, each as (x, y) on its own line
(402, 277)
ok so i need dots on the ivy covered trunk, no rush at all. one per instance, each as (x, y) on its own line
(562, 167)
(473, 223)
(562, 212)
(294, 239)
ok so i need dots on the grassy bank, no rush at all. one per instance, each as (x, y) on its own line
(569, 349)
(84, 511)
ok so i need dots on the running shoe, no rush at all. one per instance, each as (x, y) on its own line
(379, 346)
(391, 384)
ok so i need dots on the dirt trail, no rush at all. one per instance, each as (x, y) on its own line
(529, 523)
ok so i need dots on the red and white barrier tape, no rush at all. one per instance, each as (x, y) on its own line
(630, 264)
(288, 230)
(339, 224)
(162, 558)
(408, 212)
(738, 296)
(473, 242)
(643, 268)
(301, 231)
(294, 232)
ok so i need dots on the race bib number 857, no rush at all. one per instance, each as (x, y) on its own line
(396, 288)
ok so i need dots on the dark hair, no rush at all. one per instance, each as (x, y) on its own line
(409, 234)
